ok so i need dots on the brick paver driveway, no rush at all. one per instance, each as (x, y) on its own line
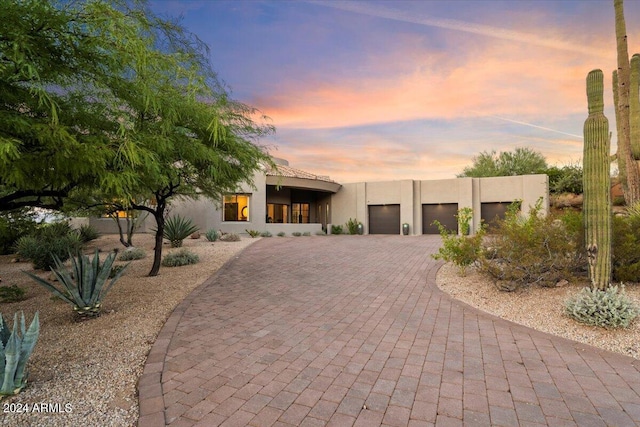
(351, 330)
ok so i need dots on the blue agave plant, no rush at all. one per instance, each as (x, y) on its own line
(15, 350)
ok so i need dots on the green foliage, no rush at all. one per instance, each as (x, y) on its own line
(14, 225)
(296, 234)
(115, 270)
(567, 179)
(462, 250)
(48, 243)
(177, 228)
(84, 286)
(230, 237)
(282, 234)
(352, 225)
(532, 249)
(336, 229)
(608, 308)
(88, 233)
(253, 233)
(321, 233)
(212, 235)
(131, 254)
(180, 258)
(521, 161)
(12, 293)
(266, 234)
(15, 349)
(464, 217)
(306, 233)
(626, 248)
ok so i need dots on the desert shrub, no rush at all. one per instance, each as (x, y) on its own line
(352, 226)
(266, 234)
(42, 249)
(12, 293)
(296, 234)
(88, 233)
(180, 258)
(321, 233)
(567, 179)
(131, 254)
(230, 237)
(462, 250)
(253, 233)
(282, 234)
(626, 249)
(212, 235)
(526, 250)
(336, 229)
(609, 308)
(306, 233)
(177, 228)
(14, 225)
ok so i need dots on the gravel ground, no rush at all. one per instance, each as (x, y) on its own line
(86, 372)
(539, 308)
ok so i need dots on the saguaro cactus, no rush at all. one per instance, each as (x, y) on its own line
(597, 199)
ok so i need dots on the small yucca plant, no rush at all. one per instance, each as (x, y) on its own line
(15, 350)
(177, 228)
(84, 285)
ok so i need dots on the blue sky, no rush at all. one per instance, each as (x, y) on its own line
(386, 90)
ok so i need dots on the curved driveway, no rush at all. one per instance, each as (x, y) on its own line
(351, 330)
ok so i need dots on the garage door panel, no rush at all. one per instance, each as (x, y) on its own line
(384, 219)
(445, 213)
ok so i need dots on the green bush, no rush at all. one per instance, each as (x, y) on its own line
(626, 249)
(43, 248)
(230, 237)
(180, 258)
(131, 253)
(14, 225)
(567, 179)
(536, 249)
(266, 234)
(177, 228)
(212, 235)
(88, 233)
(336, 229)
(462, 250)
(352, 226)
(321, 233)
(84, 286)
(15, 349)
(253, 233)
(12, 293)
(296, 234)
(610, 308)
(282, 234)
(306, 233)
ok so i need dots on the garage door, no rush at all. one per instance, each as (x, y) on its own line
(384, 219)
(445, 213)
(491, 212)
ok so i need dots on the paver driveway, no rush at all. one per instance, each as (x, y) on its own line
(351, 330)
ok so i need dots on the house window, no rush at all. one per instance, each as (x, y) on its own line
(300, 213)
(277, 213)
(236, 207)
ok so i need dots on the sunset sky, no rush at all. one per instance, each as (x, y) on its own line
(387, 90)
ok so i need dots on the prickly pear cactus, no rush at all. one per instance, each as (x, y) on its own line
(597, 200)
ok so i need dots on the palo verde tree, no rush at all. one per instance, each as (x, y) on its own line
(181, 135)
(57, 118)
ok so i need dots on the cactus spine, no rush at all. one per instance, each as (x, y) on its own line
(597, 199)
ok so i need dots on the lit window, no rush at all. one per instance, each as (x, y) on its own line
(300, 213)
(236, 207)
(277, 213)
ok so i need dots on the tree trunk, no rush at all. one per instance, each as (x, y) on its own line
(632, 188)
(157, 250)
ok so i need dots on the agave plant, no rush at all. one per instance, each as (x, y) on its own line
(177, 228)
(15, 350)
(84, 285)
